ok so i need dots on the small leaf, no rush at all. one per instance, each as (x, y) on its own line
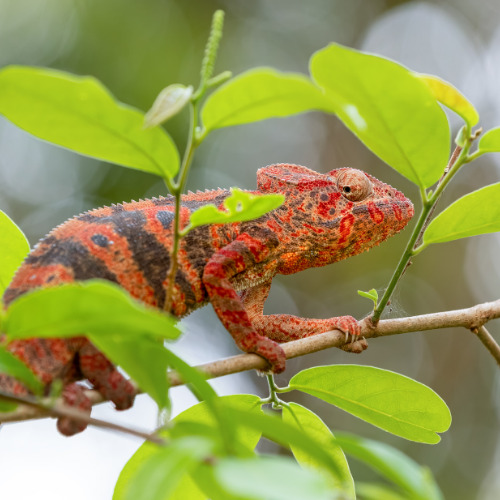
(448, 95)
(388, 108)
(259, 478)
(10, 365)
(158, 475)
(6, 407)
(310, 423)
(239, 206)
(473, 214)
(259, 94)
(14, 247)
(80, 114)
(372, 295)
(95, 307)
(490, 142)
(201, 414)
(383, 398)
(169, 102)
(393, 465)
(462, 136)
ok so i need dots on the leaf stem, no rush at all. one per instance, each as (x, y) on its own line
(414, 245)
(273, 398)
(177, 191)
(194, 140)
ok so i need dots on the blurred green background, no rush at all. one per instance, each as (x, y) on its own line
(138, 47)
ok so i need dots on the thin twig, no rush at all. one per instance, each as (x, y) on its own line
(488, 341)
(472, 318)
(58, 409)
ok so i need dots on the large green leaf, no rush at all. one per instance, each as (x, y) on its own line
(395, 466)
(383, 398)
(159, 474)
(473, 214)
(490, 142)
(448, 95)
(93, 307)
(239, 206)
(80, 114)
(14, 247)
(376, 491)
(288, 435)
(258, 478)
(10, 365)
(145, 359)
(259, 94)
(391, 110)
(201, 414)
(310, 423)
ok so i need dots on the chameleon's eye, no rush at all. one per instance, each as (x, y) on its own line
(354, 185)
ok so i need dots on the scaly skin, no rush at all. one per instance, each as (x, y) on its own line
(325, 218)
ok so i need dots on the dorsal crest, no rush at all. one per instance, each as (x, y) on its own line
(283, 177)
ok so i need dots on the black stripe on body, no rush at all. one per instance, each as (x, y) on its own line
(150, 256)
(73, 255)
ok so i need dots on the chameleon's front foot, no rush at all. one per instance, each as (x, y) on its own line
(351, 327)
(348, 325)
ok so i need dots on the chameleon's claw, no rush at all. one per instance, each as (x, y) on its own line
(357, 346)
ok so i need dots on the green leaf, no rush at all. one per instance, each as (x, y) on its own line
(144, 359)
(372, 295)
(388, 108)
(274, 428)
(169, 102)
(10, 365)
(196, 379)
(14, 247)
(80, 114)
(239, 206)
(393, 465)
(259, 94)
(6, 407)
(270, 477)
(94, 307)
(448, 95)
(383, 398)
(473, 214)
(158, 475)
(311, 424)
(204, 477)
(372, 491)
(490, 142)
(246, 438)
(201, 414)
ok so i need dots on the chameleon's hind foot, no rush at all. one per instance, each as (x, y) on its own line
(74, 396)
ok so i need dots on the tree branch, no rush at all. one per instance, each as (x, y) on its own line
(472, 318)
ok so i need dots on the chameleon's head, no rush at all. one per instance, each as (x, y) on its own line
(342, 213)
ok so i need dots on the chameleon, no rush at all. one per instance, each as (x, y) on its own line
(325, 218)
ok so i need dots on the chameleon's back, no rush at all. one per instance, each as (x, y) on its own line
(128, 244)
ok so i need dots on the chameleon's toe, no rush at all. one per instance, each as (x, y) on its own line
(74, 396)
